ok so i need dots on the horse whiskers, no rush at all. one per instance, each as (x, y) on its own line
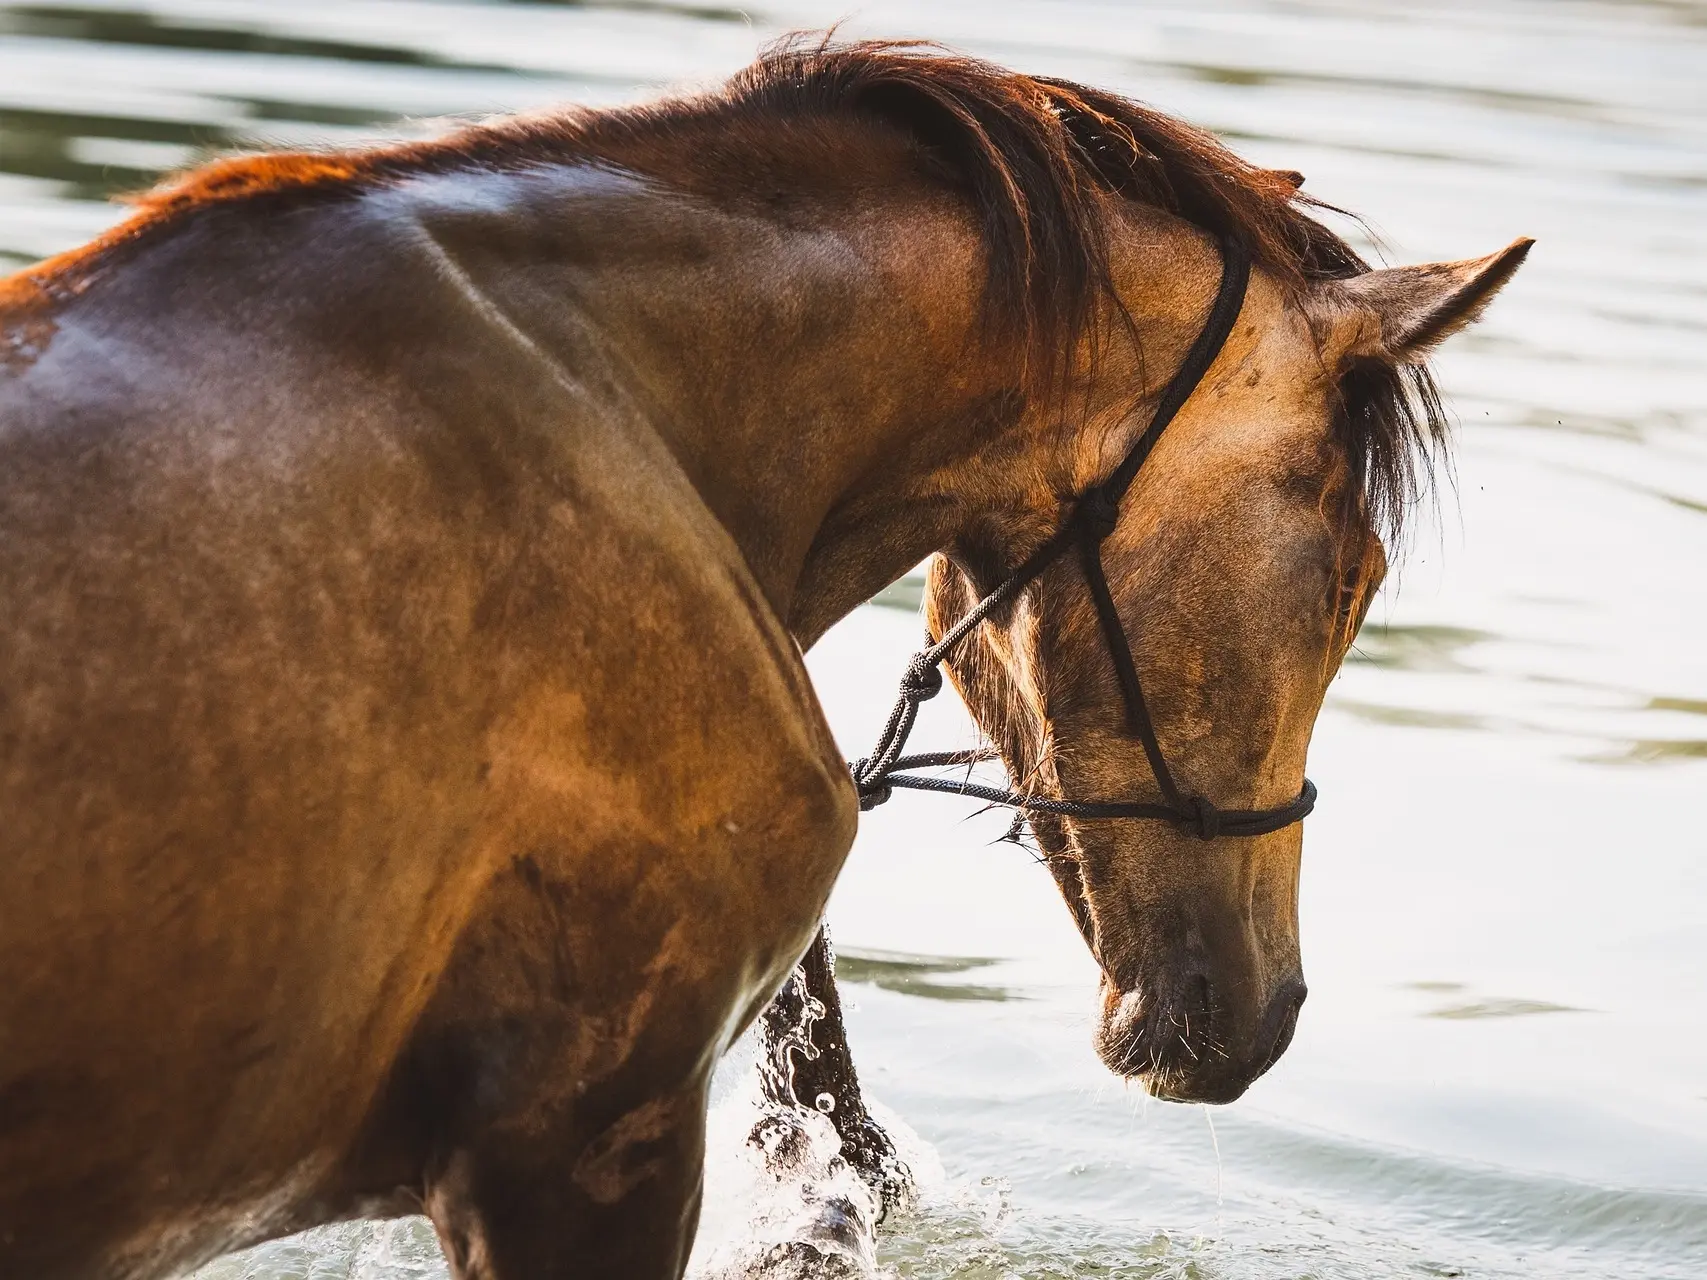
(1184, 1036)
(1043, 857)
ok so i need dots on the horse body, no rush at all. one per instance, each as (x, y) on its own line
(306, 730)
(412, 781)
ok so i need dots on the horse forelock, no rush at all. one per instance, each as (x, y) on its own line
(1038, 159)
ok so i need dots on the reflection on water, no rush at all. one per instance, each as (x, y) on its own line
(139, 27)
(1545, 627)
(906, 593)
(918, 975)
(1499, 1007)
(1416, 717)
(1418, 647)
(1461, 1007)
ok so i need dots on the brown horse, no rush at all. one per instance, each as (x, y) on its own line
(411, 783)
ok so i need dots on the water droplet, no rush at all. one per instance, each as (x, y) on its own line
(825, 1103)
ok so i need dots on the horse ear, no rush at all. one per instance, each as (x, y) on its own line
(1415, 308)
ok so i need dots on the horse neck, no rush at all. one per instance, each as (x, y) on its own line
(819, 371)
(820, 378)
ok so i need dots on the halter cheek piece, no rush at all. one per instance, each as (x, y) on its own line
(1094, 517)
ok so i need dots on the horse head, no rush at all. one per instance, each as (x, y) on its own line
(1241, 564)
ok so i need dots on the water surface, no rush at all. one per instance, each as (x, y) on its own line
(1502, 1070)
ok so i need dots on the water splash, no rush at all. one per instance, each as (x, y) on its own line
(401, 1249)
(787, 1204)
(783, 1199)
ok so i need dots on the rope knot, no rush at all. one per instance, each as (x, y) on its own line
(922, 680)
(1097, 513)
(869, 800)
(872, 791)
(1203, 816)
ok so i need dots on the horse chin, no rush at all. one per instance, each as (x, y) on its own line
(1171, 1081)
(1181, 1058)
(1172, 1088)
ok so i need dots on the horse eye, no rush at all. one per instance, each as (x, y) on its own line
(1360, 577)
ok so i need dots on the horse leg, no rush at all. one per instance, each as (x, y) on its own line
(549, 1109)
(555, 1201)
(807, 1063)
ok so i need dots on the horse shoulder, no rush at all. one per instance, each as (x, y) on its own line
(669, 813)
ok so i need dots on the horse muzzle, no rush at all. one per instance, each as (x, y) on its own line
(1184, 1044)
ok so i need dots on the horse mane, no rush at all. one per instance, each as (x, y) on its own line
(1036, 157)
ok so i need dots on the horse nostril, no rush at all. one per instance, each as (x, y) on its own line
(1195, 997)
(1279, 1023)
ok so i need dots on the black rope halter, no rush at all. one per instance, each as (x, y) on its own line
(1094, 516)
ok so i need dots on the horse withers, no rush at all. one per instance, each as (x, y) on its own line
(411, 782)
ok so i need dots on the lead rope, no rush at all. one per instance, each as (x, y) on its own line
(1094, 517)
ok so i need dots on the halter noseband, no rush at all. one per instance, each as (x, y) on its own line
(1094, 516)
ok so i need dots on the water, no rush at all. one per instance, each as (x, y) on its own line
(1502, 1070)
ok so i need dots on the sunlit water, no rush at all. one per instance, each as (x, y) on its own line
(1502, 1070)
